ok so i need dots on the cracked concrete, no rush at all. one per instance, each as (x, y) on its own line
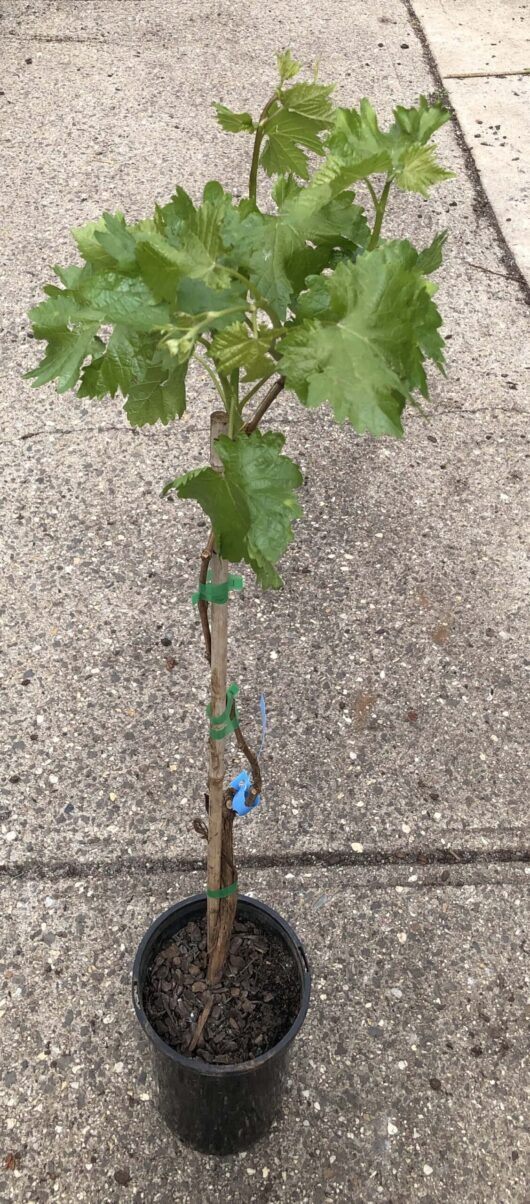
(394, 832)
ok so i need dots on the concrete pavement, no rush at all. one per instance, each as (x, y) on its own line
(395, 829)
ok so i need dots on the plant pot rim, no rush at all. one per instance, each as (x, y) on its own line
(208, 1069)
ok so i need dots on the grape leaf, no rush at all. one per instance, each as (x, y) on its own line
(430, 259)
(236, 347)
(403, 150)
(66, 352)
(163, 266)
(287, 66)
(419, 170)
(364, 353)
(234, 123)
(252, 504)
(310, 100)
(340, 222)
(289, 135)
(70, 276)
(272, 249)
(304, 263)
(160, 395)
(117, 241)
(209, 217)
(356, 135)
(172, 218)
(91, 379)
(89, 247)
(336, 174)
(61, 310)
(261, 245)
(188, 243)
(124, 360)
(421, 121)
(122, 299)
(285, 188)
(196, 297)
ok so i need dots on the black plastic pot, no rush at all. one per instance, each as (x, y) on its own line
(218, 1109)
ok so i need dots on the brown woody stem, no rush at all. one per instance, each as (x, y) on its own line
(206, 556)
(264, 405)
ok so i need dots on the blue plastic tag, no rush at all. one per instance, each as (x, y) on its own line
(242, 785)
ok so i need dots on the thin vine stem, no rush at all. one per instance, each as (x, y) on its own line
(380, 213)
(251, 393)
(373, 194)
(213, 376)
(258, 139)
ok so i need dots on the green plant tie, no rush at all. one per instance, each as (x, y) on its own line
(222, 725)
(217, 593)
(224, 892)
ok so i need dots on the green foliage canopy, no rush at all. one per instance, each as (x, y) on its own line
(305, 287)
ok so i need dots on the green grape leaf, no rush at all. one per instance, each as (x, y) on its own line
(163, 266)
(285, 188)
(356, 136)
(261, 245)
(209, 217)
(124, 360)
(365, 351)
(173, 218)
(234, 123)
(89, 247)
(402, 149)
(289, 136)
(252, 504)
(311, 100)
(66, 352)
(188, 244)
(305, 263)
(105, 243)
(419, 170)
(196, 297)
(71, 276)
(236, 347)
(117, 241)
(336, 174)
(92, 383)
(422, 121)
(430, 259)
(159, 395)
(340, 222)
(287, 66)
(272, 250)
(122, 299)
(60, 310)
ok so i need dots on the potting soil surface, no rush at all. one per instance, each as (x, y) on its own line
(248, 1012)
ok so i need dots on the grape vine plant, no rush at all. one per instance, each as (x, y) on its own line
(302, 294)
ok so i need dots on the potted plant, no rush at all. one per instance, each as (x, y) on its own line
(304, 294)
